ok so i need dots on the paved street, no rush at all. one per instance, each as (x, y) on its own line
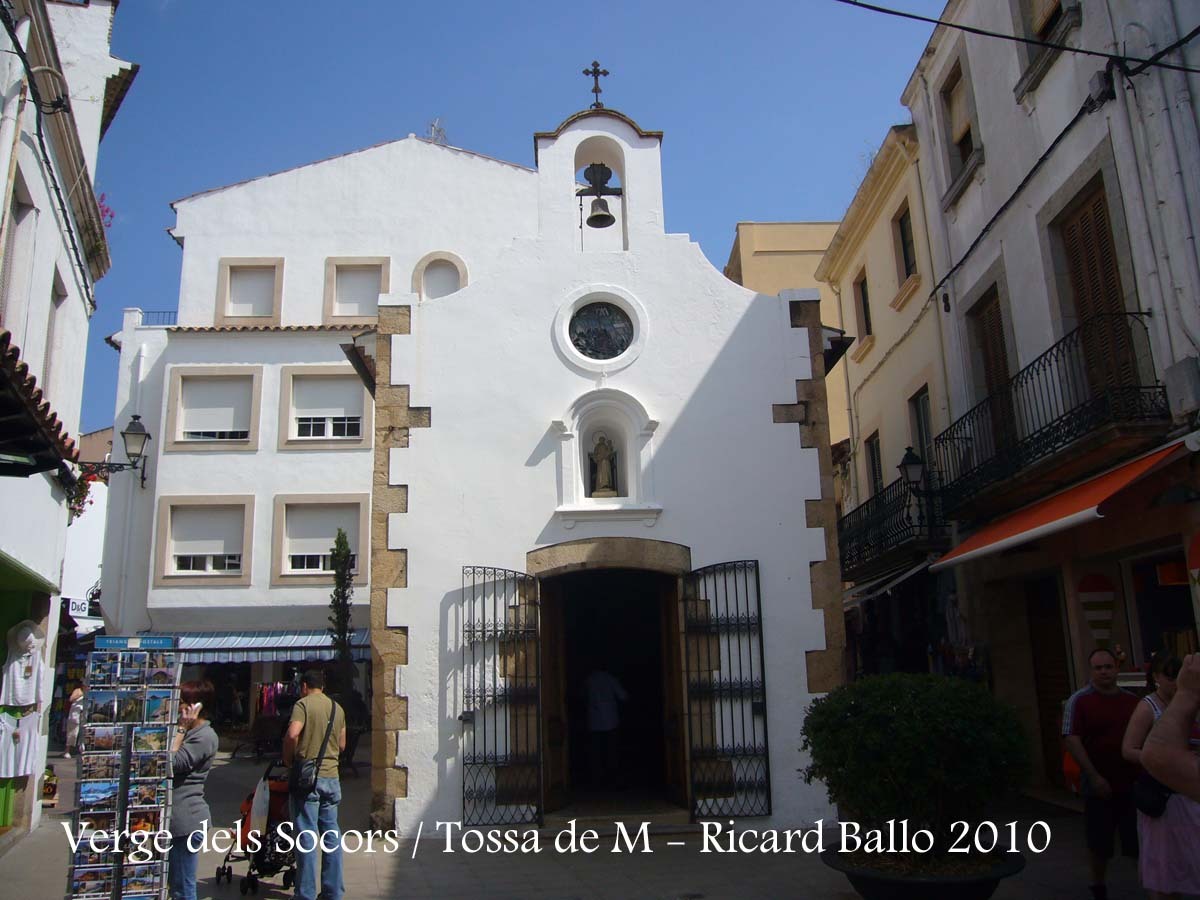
(37, 867)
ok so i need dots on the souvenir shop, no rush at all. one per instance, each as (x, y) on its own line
(24, 698)
(256, 678)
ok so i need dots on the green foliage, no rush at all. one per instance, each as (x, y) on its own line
(927, 748)
(340, 624)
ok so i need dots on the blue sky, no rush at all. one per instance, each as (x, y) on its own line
(770, 109)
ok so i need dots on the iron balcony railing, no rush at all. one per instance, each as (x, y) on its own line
(1100, 373)
(893, 518)
(157, 317)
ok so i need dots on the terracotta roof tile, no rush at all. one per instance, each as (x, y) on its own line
(217, 329)
(26, 389)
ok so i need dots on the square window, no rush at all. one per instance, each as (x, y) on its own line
(202, 539)
(306, 528)
(323, 408)
(213, 408)
(251, 291)
(357, 290)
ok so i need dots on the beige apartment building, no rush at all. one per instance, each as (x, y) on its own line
(770, 257)
(879, 269)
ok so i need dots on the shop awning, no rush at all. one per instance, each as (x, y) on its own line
(861, 592)
(263, 646)
(32, 437)
(1066, 509)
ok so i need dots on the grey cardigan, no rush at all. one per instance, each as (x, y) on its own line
(190, 766)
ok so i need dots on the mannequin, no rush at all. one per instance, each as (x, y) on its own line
(23, 669)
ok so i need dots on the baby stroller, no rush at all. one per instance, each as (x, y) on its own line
(270, 858)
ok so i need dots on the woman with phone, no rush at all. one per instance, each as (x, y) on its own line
(193, 749)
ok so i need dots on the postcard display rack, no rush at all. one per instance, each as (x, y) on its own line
(125, 769)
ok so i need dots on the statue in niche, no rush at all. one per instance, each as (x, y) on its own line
(603, 458)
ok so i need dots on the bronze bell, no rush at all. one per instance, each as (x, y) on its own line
(600, 217)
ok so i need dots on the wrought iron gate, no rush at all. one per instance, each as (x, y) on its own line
(501, 717)
(726, 691)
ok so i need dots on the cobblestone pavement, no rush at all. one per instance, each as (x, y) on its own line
(37, 866)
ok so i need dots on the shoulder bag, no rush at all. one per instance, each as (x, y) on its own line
(302, 777)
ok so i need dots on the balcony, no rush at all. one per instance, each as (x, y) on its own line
(889, 530)
(1088, 402)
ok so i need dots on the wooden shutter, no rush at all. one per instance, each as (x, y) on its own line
(956, 106)
(1091, 258)
(1041, 13)
(989, 327)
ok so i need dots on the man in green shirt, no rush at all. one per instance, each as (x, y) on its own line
(315, 816)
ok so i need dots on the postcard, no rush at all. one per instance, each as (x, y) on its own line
(102, 668)
(133, 667)
(104, 737)
(158, 706)
(144, 819)
(150, 738)
(97, 821)
(100, 765)
(141, 878)
(91, 881)
(147, 793)
(98, 795)
(101, 706)
(130, 706)
(148, 765)
(86, 856)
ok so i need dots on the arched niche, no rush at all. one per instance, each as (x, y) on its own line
(606, 151)
(623, 421)
(439, 274)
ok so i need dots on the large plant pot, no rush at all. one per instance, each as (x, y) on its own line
(875, 885)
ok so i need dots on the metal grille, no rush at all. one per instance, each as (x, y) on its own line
(1101, 373)
(501, 717)
(726, 692)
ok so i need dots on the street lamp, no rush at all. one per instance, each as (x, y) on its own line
(912, 467)
(135, 437)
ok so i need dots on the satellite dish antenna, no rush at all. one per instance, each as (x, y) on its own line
(437, 133)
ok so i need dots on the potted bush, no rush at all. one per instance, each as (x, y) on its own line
(927, 749)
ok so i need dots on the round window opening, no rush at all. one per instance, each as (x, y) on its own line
(601, 330)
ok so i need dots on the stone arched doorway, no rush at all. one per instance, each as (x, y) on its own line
(610, 623)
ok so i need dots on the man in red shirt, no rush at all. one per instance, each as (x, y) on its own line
(1093, 726)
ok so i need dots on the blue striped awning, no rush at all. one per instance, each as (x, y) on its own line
(262, 646)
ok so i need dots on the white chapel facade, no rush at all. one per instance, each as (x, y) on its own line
(557, 449)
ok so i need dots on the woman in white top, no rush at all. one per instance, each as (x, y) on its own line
(74, 719)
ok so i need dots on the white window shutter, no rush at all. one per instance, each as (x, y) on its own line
(327, 395)
(357, 290)
(313, 528)
(215, 403)
(202, 530)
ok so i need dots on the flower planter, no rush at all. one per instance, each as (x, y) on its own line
(872, 884)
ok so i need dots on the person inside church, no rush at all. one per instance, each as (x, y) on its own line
(604, 696)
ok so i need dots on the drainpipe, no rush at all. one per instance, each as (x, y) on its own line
(122, 618)
(1148, 233)
(850, 420)
(941, 338)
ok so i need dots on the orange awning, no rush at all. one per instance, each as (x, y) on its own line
(1064, 510)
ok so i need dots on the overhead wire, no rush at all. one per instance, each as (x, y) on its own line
(1123, 61)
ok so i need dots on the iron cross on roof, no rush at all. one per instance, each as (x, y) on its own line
(594, 73)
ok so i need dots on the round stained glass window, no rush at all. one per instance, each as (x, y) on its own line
(601, 330)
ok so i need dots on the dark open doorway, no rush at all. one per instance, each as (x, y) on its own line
(620, 623)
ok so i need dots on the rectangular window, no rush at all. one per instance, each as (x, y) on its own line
(356, 290)
(1044, 16)
(319, 563)
(958, 119)
(874, 463)
(327, 406)
(18, 258)
(908, 251)
(863, 305)
(922, 425)
(58, 296)
(206, 540)
(251, 291)
(215, 408)
(310, 532)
